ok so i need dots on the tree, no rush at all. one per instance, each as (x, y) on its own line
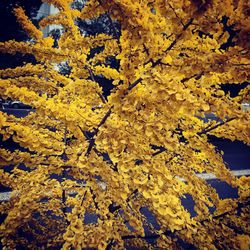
(141, 146)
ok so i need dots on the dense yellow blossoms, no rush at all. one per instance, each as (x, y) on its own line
(141, 147)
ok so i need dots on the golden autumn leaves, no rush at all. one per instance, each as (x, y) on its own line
(139, 147)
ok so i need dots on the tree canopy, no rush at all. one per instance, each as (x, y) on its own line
(139, 148)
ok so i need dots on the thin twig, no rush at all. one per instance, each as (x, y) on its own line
(196, 76)
(131, 86)
(64, 158)
(106, 116)
(179, 35)
(154, 64)
(204, 131)
(176, 14)
(92, 145)
(93, 79)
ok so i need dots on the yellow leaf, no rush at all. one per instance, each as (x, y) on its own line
(166, 211)
(167, 59)
(148, 132)
(124, 196)
(136, 181)
(205, 107)
(115, 82)
(160, 182)
(146, 194)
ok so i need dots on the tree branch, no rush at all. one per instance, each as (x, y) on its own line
(93, 79)
(64, 158)
(176, 14)
(196, 76)
(106, 116)
(204, 131)
(136, 82)
(154, 64)
(179, 35)
(131, 86)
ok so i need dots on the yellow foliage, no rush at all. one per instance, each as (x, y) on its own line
(27, 25)
(84, 153)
